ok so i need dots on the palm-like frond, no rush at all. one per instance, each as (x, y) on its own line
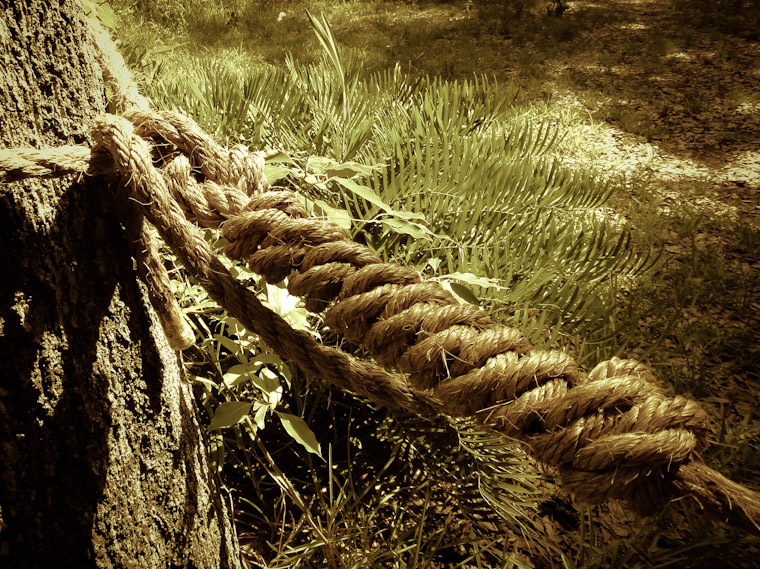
(505, 222)
(497, 201)
(486, 477)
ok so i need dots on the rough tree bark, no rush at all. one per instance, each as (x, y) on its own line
(102, 462)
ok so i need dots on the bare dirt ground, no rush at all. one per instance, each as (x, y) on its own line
(701, 92)
(684, 102)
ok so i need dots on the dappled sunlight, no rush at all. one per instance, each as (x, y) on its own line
(681, 56)
(673, 177)
(672, 107)
(634, 26)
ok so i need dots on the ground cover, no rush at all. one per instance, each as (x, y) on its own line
(667, 107)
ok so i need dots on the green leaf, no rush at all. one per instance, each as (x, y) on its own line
(318, 164)
(267, 358)
(280, 300)
(369, 194)
(464, 293)
(278, 156)
(260, 414)
(229, 413)
(300, 431)
(326, 38)
(210, 385)
(228, 343)
(475, 280)
(105, 15)
(348, 170)
(238, 374)
(269, 383)
(275, 173)
(216, 450)
(416, 230)
(89, 6)
(338, 216)
(165, 48)
(364, 192)
(99, 10)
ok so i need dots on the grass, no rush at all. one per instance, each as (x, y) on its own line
(696, 317)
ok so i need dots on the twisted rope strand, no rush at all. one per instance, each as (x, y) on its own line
(611, 433)
(150, 268)
(126, 96)
(23, 163)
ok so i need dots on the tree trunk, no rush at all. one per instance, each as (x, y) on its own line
(102, 461)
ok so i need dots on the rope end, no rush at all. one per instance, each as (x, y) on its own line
(177, 330)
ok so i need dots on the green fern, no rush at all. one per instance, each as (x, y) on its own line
(492, 196)
(443, 176)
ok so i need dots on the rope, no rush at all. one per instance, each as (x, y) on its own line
(611, 433)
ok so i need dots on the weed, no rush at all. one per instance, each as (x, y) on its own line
(739, 96)
(632, 120)
(745, 239)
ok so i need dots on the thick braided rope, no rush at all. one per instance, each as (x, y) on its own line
(611, 433)
(614, 426)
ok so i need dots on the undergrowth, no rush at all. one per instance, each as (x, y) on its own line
(455, 175)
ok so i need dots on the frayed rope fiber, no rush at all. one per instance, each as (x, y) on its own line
(611, 433)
